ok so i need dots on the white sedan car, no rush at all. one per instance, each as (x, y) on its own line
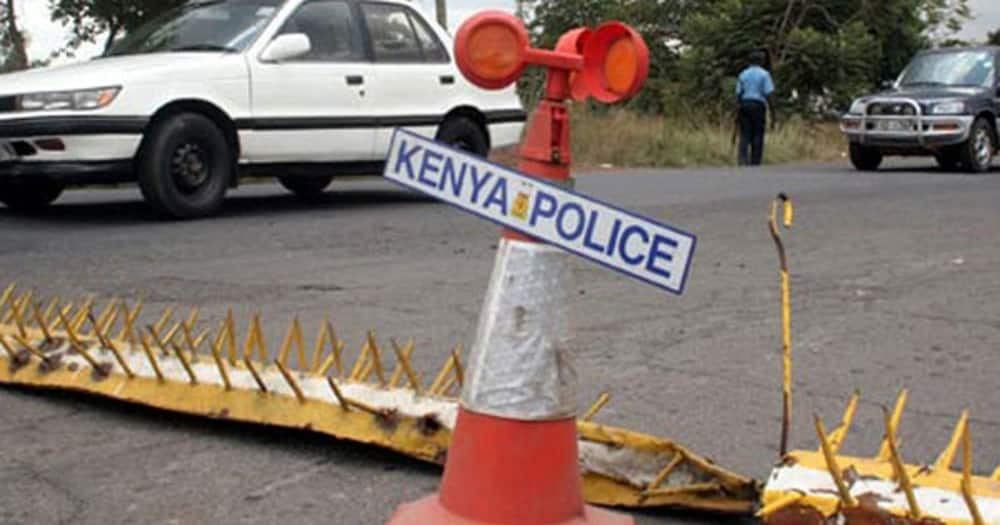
(298, 89)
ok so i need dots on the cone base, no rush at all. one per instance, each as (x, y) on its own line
(429, 511)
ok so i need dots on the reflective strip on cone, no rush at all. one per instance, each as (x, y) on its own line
(520, 366)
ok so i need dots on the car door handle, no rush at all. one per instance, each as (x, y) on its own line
(355, 80)
(447, 80)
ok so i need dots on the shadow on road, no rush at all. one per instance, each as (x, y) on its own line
(122, 207)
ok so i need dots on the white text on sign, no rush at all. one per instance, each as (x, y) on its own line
(642, 248)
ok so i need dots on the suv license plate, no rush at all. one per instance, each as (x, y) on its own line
(896, 125)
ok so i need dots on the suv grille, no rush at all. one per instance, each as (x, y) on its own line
(8, 104)
(892, 109)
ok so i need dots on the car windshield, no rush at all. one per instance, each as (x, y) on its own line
(222, 25)
(956, 68)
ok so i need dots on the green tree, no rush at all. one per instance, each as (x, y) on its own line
(823, 52)
(993, 38)
(12, 40)
(107, 19)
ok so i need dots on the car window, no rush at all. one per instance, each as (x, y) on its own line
(332, 31)
(432, 47)
(393, 36)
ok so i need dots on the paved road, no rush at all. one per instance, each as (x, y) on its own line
(895, 276)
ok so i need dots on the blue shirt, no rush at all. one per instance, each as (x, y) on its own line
(755, 83)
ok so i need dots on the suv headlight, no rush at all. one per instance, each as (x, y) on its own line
(857, 108)
(953, 107)
(85, 99)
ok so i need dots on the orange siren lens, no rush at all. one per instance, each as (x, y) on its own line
(494, 51)
(621, 66)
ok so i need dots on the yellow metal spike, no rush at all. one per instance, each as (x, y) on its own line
(16, 307)
(262, 353)
(444, 390)
(109, 322)
(970, 500)
(293, 337)
(151, 356)
(666, 472)
(70, 331)
(201, 338)
(189, 341)
(40, 321)
(325, 331)
(102, 318)
(255, 374)
(164, 319)
(86, 355)
(359, 365)
(17, 311)
(291, 381)
(947, 456)
(8, 292)
(846, 499)
(403, 365)
(249, 344)
(333, 361)
(340, 397)
(456, 354)
(50, 309)
(185, 363)
(366, 372)
(30, 348)
(128, 322)
(602, 400)
(996, 475)
(192, 318)
(231, 337)
(900, 468)
(376, 358)
(82, 313)
(219, 361)
(110, 345)
(838, 436)
(897, 417)
(781, 503)
(442, 376)
(169, 337)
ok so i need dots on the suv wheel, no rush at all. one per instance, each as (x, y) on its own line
(865, 158)
(306, 187)
(185, 167)
(977, 153)
(464, 134)
(30, 196)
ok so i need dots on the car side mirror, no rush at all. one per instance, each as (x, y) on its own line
(286, 47)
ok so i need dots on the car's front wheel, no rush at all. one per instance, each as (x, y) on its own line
(29, 196)
(977, 154)
(185, 166)
(865, 158)
(306, 187)
(464, 134)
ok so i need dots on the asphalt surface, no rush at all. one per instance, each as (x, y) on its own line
(895, 284)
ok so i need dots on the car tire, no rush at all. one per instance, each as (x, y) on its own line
(306, 187)
(30, 196)
(977, 153)
(185, 167)
(865, 158)
(464, 134)
(949, 158)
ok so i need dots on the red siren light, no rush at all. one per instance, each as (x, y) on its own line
(490, 49)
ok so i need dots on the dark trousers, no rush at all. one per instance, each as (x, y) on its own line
(753, 126)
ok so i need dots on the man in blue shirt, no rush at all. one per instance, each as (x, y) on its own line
(753, 90)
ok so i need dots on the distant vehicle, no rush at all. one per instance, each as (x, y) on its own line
(946, 103)
(303, 90)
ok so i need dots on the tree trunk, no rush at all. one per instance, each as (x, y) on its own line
(18, 58)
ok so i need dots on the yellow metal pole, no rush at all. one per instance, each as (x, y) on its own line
(786, 312)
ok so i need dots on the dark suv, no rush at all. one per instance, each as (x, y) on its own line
(945, 104)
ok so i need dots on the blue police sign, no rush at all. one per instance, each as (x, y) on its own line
(637, 246)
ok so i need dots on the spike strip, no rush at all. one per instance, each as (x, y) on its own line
(618, 465)
(891, 487)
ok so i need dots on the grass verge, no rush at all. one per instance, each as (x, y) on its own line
(623, 138)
